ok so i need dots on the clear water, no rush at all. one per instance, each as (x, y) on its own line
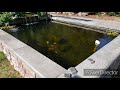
(65, 45)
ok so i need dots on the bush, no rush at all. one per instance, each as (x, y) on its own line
(40, 14)
(112, 33)
(113, 13)
(5, 17)
(20, 14)
(94, 13)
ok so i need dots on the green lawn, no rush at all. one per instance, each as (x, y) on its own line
(7, 70)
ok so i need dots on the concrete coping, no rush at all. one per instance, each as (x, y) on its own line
(40, 64)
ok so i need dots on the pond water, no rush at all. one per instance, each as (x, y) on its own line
(65, 45)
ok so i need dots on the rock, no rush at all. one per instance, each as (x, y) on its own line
(67, 75)
(70, 13)
(7, 24)
(103, 13)
(64, 13)
(84, 14)
(57, 12)
(72, 70)
(79, 14)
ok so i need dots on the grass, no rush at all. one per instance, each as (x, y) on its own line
(7, 70)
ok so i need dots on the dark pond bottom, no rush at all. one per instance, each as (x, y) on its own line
(65, 45)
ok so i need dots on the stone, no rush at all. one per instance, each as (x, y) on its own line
(72, 70)
(84, 14)
(64, 13)
(103, 13)
(70, 13)
(79, 14)
(67, 75)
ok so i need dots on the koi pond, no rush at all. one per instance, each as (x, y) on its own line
(65, 45)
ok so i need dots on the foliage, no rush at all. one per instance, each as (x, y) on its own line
(113, 13)
(20, 14)
(5, 17)
(94, 13)
(40, 14)
(112, 33)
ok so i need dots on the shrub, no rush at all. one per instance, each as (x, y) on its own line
(113, 13)
(20, 14)
(112, 33)
(5, 17)
(41, 14)
(94, 13)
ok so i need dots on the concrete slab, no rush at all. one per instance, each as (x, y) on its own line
(40, 63)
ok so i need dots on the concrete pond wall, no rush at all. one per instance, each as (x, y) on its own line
(32, 64)
(26, 60)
